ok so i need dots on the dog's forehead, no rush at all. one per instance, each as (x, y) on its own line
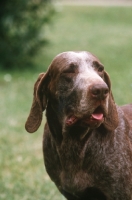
(81, 59)
(77, 57)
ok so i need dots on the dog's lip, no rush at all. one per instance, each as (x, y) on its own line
(96, 117)
(72, 119)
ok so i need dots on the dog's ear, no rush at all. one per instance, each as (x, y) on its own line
(107, 79)
(38, 105)
(111, 121)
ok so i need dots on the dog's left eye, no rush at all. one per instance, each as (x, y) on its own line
(98, 66)
(100, 69)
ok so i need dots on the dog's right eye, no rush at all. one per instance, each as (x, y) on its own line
(68, 76)
(72, 69)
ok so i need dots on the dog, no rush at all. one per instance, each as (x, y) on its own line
(87, 142)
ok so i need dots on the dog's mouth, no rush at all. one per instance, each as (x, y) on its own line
(94, 119)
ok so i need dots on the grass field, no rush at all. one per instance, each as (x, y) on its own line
(106, 32)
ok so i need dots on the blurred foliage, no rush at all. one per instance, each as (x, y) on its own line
(22, 31)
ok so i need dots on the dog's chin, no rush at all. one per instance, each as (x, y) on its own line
(92, 123)
(85, 122)
(93, 120)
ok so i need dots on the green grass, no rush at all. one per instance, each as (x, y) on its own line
(107, 33)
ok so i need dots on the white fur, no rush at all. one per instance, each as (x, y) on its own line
(87, 76)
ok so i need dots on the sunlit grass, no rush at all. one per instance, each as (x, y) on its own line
(106, 32)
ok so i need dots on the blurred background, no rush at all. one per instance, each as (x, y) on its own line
(32, 32)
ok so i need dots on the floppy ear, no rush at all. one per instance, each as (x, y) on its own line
(107, 79)
(111, 121)
(38, 106)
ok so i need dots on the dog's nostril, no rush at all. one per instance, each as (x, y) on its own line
(99, 91)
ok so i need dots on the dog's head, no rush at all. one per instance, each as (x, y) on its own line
(79, 91)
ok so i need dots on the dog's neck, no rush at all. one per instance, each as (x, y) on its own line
(87, 151)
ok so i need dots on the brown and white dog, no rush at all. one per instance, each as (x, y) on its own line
(87, 141)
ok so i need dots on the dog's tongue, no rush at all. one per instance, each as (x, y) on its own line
(97, 116)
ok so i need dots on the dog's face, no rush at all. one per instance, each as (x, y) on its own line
(77, 85)
(77, 88)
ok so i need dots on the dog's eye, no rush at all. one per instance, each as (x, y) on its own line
(98, 66)
(100, 69)
(71, 69)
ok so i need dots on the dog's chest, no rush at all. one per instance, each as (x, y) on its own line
(89, 165)
(74, 175)
(75, 182)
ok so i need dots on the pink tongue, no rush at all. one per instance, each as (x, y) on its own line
(97, 116)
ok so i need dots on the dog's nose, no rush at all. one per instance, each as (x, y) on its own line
(99, 91)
